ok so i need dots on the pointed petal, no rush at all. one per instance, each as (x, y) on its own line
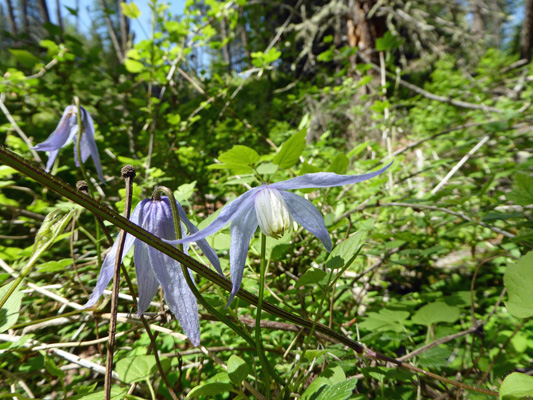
(307, 215)
(228, 213)
(59, 137)
(242, 228)
(325, 179)
(146, 280)
(108, 266)
(178, 296)
(52, 154)
(89, 145)
(202, 243)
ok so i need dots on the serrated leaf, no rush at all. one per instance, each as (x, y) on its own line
(237, 370)
(518, 280)
(130, 10)
(522, 193)
(51, 367)
(24, 57)
(291, 150)
(516, 386)
(210, 389)
(385, 320)
(332, 375)
(9, 313)
(138, 368)
(185, 191)
(312, 275)
(436, 312)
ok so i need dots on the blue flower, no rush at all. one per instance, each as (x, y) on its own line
(273, 209)
(154, 268)
(66, 132)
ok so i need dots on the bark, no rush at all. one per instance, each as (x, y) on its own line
(124, 29)
(25, 19)
(225, 48)
(59, 19)
(112, 33)
(43, 11)
(526, 39)
(478, 24)
(363, 30)
(244, 38)
(11, 18)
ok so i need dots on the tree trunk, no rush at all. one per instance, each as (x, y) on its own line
(244, 38)
(43, 11)
(363, 31)
(225, 48)
(526, 39)
(11, 18)
(25, 19)
(59, 20)
(478, 25)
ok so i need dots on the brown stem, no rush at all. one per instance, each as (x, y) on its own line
(128, 173)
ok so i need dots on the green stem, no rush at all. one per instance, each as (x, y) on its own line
(258, 337)
(19, 279)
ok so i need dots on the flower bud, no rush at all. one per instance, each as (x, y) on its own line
(272, 213)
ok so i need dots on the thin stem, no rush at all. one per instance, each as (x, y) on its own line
(128, 173)
(258, 337)
(62, 188)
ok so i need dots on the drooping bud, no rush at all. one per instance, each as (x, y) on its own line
(272, 213)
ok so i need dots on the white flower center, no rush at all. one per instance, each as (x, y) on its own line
(272, 213)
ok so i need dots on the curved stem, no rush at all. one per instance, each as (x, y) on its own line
(258, 337)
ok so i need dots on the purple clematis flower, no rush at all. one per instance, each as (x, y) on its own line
(273, 209)
(66, 132)
(154, 268)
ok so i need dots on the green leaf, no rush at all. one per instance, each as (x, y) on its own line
(130, 10)
(522, 193)
(436, 312)
(339, 164)
(51, 367)
(24, 57)
(516, 386)
(332, 375)
(239, 155)
(237, 370)
(9, 313)
(210, 389)
(291, 150)
(345, 251)
(117, 393)
(133, 66)
(185, 191)
(387, 42)
(385, 320)
(312, 275)
(54, 266)
(518, 280)
(138, 368)
(339, 391)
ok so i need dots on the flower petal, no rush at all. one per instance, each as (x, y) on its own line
(208, 251)
(228, 213)
(59, 137)
(146, 280)
(52, 154)
(325, 179)
(108, 266)
(307, 215)
(90, 145)
(242, 228)
(178, 296)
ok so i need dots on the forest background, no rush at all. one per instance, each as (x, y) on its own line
(209, 98)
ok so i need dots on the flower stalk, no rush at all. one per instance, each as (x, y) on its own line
(128, 173)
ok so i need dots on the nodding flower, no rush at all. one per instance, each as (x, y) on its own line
(273, 209)
(155, 269)
(66, 132)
